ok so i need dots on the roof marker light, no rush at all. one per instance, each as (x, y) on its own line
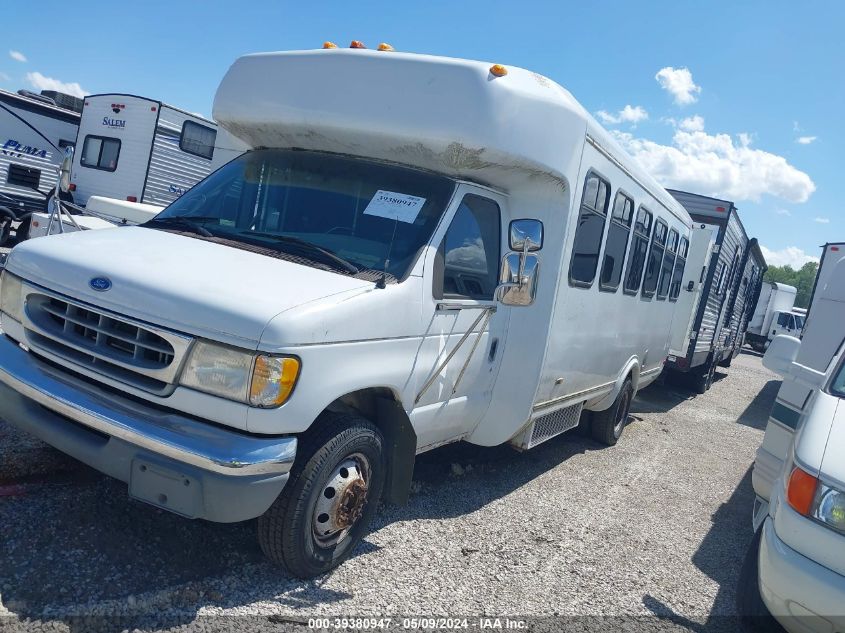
(132, 198)
(720, 209)
(497, 70)
(329, 45)
(357, 44)
(385, 47)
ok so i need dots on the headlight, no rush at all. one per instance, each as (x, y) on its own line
(258, 380)
(11, 295)
(829, 507)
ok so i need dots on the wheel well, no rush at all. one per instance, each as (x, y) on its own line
(382, 407)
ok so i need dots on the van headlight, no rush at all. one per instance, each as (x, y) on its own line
(11, 295)
(829, 507)
(259, 380)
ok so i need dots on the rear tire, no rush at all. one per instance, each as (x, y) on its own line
(703, 380)
(608, 425)
(331, 496)
(726, 362)
(754, 616)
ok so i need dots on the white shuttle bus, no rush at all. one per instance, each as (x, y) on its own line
(33, 134)
(139, 150)
(451, 251)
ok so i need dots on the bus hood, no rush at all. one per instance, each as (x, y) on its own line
(177, 282)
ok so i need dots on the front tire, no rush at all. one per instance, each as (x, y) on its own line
(330, 498)
(608, 425)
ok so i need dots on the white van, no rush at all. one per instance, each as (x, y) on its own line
(363, 285)
(796, 562)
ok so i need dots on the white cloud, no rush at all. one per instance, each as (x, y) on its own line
(628, 114)
(17, 56)
(716, 165)
(791, 256)
(805, 140)
(822, 220)
(678, 82)
(4, 77)
(783, 212)
(40, 82)
(692, 124)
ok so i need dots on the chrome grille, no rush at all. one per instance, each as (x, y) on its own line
(109, 344)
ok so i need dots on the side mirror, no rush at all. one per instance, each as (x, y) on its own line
(526, 236)
(520, 273)
(64, 170)
(782, 352)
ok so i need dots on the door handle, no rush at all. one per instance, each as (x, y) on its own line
(494, 347)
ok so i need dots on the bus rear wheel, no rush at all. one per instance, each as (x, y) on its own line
(608, 425)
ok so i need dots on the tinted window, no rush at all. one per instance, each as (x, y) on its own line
(783, 319)
(655, 258)
(668, 265)
(678, 273)
(100, 152)
(467, 265)
(639, 248)
(197, 139)
(617, 243)
(589, 233)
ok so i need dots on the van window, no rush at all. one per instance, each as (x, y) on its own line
(668, 265)
(678, 273)
(23, 176)
(655, 257)
(639, 248)
(467, 263)
(588, 235)
(783, 319)
(100, 152)
(616, 243)
(197, 139)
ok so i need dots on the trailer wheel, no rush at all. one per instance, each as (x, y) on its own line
(754, 616)
(702, 381)
(332, 494)
(726, 362)
(608, 425)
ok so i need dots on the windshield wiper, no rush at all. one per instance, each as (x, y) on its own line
(326, 254)
(186, 222)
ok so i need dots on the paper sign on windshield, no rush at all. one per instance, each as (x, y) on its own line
(395, 206)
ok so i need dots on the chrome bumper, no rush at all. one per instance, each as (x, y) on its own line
(157, 431)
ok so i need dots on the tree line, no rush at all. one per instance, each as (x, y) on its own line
(802, 279)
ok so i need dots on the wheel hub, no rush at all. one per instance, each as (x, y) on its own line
(342, 500)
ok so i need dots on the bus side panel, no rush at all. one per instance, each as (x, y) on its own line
(593, 333)
(173, 171)
(133, 126)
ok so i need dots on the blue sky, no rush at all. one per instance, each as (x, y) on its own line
(742, 99)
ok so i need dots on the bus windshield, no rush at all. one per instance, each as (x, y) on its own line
(344, 214)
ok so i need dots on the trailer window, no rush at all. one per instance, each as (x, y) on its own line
(655, 257)
(197, 139)
(668, 265)
(22, 176)
(100, 152)
(616, 243)
(588, 235)
(467, 262)
(678, 273)
(639, 248)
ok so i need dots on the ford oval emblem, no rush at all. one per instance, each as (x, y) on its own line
(100, 284)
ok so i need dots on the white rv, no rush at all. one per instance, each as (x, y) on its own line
(795, 566)
(467, 256)
(33, 135)
(773, 315)
(140, 150)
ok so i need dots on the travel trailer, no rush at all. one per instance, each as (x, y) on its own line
(140, 150)
(774, 315)
(723, 285)
(832, 252)
(795, 566)
(375, 278)
(33, 134)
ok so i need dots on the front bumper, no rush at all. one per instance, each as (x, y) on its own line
(802, 595)
(178, 463)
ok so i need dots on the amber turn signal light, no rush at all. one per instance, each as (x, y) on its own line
(801, 490)
(329, 45)
(497, 70)
(385, 47)
(357, 44)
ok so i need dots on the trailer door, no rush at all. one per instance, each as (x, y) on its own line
(702, 239)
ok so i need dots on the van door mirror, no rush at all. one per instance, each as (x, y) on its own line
(782, 352)
(520, 273)
(64, 170)
(526, 236)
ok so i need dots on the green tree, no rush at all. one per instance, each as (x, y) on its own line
(802, 279)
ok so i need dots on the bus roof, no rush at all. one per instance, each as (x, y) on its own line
(448, 115)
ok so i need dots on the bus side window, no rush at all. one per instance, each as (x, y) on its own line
(588, 236)
(639, 248)
(668, 265)
(678, 274)
(655, 257)
(616, 243)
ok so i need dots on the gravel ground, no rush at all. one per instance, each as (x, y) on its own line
(658, 524)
